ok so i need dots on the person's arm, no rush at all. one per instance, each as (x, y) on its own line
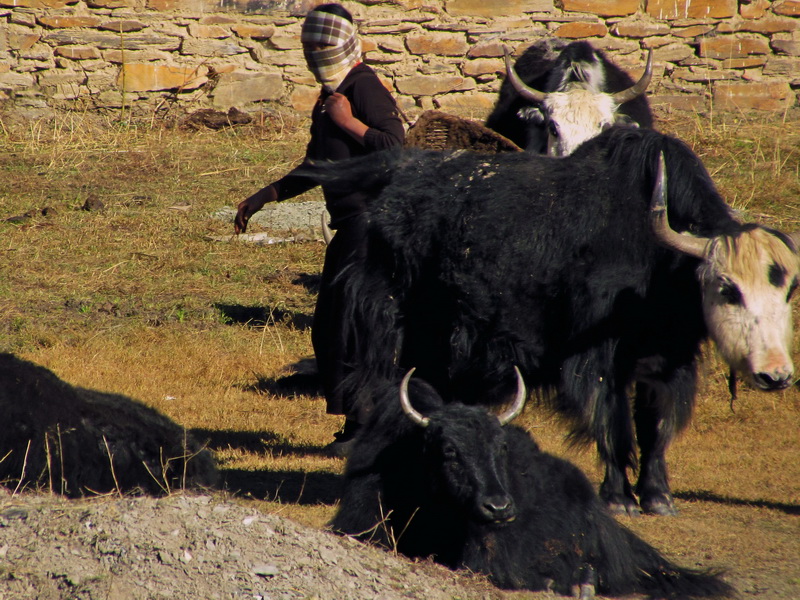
(338, 107)
(376, 109)
(288, 186)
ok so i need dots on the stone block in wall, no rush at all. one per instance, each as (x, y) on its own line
(303, 98)
(732, 46)
(486, 8)
(14, 79)
(256, 32)
(486, 49)
(790, 8)
(673, 53)
(782, 66)
(65, 21)
(483, 66)
(691, 31)
(111, 3)
(148, 77)
(475, 105)
(637, 28)
(122, 25)
(78, 52)
(281, 41)
(440, 44)
(691, 9)
(602, 8)
(135, 41)
(616, 45)
(772, 95)
(767, 25)
(790, 47)
(237, 89)
(128, 56)
(680, 102)
(754, 10)
(20, 38)
(580, 30)
(37, 3)
(209, 31)
(210, 47)
(748, 62)
(700, 74)
(428, 85)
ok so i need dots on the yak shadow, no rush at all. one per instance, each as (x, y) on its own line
(257, 442)
(292, 487)
(286, 487)
(308, 281)
(260, 316)
(707, 496)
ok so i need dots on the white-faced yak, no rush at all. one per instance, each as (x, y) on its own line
(558, 95)
(76, 441)
(477, 262)
(456, 483)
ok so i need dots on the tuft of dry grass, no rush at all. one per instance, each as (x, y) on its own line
(132, 298)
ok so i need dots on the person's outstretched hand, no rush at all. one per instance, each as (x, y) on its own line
(247, 208)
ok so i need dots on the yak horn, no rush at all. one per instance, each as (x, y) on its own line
(682, 242)
(795, 237)
(638, 88)
(519, 401)
(327, 234)
(522, 89)
(406, 403)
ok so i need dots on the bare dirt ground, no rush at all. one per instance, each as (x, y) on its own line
(196, 546)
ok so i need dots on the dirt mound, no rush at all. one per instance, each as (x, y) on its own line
(197, 546)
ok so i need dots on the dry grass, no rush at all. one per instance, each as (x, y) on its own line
(132, 299)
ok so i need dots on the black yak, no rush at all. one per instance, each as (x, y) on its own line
(77, 441)
(558, 95)
(454, 482)
(475, 262)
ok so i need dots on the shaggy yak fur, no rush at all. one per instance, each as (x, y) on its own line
(425, 491)
(77, 441)
(477, 262)
(549, 66)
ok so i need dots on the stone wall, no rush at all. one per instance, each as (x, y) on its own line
(158, 55)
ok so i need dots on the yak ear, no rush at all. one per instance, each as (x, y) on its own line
(532, 114)
(682, 242)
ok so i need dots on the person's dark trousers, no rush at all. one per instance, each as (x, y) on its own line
(327, 336)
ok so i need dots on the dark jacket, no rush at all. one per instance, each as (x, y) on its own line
(372, 104)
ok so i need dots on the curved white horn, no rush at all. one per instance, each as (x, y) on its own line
(796, 239)
(522, 88)
(406, 403)
(519, 401)
(638, 88)
(327, 234)
(682, 242)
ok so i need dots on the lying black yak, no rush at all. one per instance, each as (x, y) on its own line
(77, 441)
(453, 482)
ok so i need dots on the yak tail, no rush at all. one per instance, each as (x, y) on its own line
(659, 578)
(367, 174)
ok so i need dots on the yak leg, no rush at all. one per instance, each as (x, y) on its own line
(654, 433)
(614, 435)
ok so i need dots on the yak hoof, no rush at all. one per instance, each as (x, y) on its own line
(660, 507)
(626, 507)
(586, 592)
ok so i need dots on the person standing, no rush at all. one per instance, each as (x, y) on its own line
(353, 116)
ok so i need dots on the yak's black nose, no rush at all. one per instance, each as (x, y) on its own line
(773, 381)
(499, 508)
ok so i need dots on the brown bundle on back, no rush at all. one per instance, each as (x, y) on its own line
(435, 130)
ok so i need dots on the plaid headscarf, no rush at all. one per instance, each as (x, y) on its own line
(331, 65)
